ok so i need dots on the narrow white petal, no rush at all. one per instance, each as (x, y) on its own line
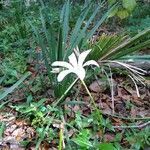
(81, 73)
(91, 62)
(62, 64)
(56, 70)
(73, 60)
(82, 57)
(62, 74)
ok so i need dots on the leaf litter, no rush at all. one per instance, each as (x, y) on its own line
(128, 108)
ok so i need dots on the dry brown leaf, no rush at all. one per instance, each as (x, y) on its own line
(15, 147)
(44, 146)
(76, 108)
(19, 134)
(137, 100)
(20, 122)
(133, 112)
(30, 132)
(143, 113)
(5, 147)
(10, 129)
(106, 109)
(1, 117)
(117, 121)
(11, 119)
(86, 98)
(98, 86)
(108, 137)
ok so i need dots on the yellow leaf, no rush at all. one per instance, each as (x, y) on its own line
(122, 14)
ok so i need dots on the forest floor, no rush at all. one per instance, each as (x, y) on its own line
(130, 111)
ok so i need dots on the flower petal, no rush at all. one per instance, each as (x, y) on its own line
(82, 57)
(91, 62)
(73, 60)
(56, 70)
(62, 74)
(80, 72)
(62, 64)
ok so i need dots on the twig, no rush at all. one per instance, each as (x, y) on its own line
(137, 90)
(126, 118)
(112, 91)
(134, 126)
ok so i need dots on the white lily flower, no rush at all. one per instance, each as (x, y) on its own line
(56, 70)
(75, 65)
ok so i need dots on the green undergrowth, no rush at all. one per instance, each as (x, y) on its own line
(32, 38)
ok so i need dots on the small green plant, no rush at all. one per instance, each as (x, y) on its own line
(83, 139)
(124, 9)
(139, 20)
(138, 139)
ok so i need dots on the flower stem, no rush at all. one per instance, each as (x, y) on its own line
(92, 99)
(62, 97)
(89, 93)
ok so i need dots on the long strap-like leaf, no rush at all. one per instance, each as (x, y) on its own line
(121, 48)
(12, 88)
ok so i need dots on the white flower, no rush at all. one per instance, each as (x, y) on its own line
(74, 66)
(56, 70)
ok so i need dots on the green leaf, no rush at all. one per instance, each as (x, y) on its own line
(77, 33)
(2, 129)
(83, 139)
(40, 103)
(29, 99)
(114, 46)
(122, 14)
(97, 25)
(136, 58)
(104, 45)
(107, 146)
(129, 4)
(113, 12)
(12, 88)
(133, 44)
(2, 79)
(65, 23)
(51, 52)
(111, 2)
(60, 49)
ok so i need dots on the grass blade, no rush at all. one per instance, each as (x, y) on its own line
(12, 88)
(65, 24)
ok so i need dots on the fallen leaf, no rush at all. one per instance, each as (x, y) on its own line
(10, 129)
(108, 137)
(98, 86)
(19, 134)
(20, 122)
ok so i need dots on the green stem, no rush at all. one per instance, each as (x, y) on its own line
(92, 99)
(62, 97)
(60, 139)
(89, 93)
